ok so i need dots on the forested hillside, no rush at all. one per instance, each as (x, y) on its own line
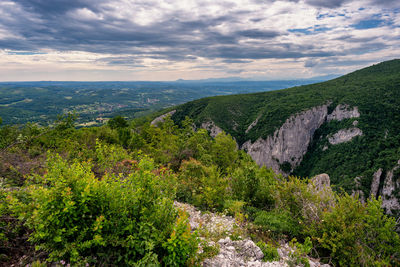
(104, 196)
(372, 94)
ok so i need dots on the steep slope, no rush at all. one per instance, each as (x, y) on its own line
(348, 127)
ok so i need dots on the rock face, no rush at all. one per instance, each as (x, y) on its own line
(290, 142)
(214, 224)
(343, 112)
(357, 189)
(254, 123)
(237, 253)
(234, 253)
(212, 128)
(344, 135)
(376, 178)
(321, 181)
(391, 184)
(162, 117)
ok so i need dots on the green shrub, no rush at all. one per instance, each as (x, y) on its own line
(303, 201)
(13, 235)
(117, 122)
(278, 223)
(202, 186)
(80, 219)
(253, 184)
(270, 252)
(234, 207)
(224, 151)
(300, 251)
(109, 155)
(181, 245)
(356, 234)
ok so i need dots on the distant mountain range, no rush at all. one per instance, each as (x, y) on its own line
(239, 79)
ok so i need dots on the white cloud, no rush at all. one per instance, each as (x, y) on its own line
(193, 39)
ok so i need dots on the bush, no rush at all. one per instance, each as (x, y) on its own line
(278, 223)
(253, 184)
(109, 155)
(115, 220)
(181, 244)
(117, 122)
(356, 234)
(202, 186)
(303, 201)
(300, 251)
(270, 252)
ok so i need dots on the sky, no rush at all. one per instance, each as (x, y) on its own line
(128, 40)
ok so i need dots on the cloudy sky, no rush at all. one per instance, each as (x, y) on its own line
(172, 39)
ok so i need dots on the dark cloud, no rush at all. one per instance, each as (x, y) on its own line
(339, 3)
(326, 3)
(351, 39)
(58, 7)
(229, 61)
(323, 3)
(310, 63)
(49, 24)
(258, 34)
(386, 3)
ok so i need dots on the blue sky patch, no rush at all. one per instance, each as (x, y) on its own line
(24, 53)
(368, 24)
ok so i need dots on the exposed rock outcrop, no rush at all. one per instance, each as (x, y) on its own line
(213, 223)
(162, 117)
(254, 123)
(391, 184)
(344, 135)
(290, 142)
(212, 128)
(321, 181)
(234, 253)
(343, 112)
(376, 178)
(237, 253)
(320, 185)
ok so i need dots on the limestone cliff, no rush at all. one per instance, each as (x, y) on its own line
(342, 112)
(289, 143)
(254, 123)
(212, 128)
(391, 185)
(162, 117)
(344, 135)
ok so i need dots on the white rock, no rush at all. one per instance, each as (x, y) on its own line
(290, 142)
(254, 123)
(212, 128)
(343, 112)
(376, 178)
(162, 117)
(391, 184)
(344, 135)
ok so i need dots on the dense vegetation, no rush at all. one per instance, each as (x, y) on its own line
(374, 90)
(41, 102)
(104, 196)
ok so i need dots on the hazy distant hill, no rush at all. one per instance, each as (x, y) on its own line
(347, 127)
(42, 101)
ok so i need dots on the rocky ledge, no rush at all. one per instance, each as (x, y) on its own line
(234, 253)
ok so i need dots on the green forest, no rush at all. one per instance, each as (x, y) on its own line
(104, 196)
